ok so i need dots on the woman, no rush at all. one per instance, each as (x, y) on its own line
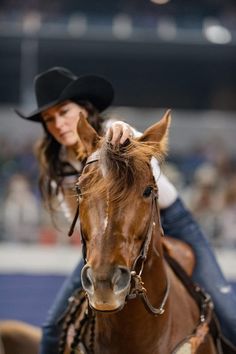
(62, 98)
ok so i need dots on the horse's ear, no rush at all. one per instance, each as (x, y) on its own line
(158, 133)
(87, 138)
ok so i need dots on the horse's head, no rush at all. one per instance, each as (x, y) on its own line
(116, 191)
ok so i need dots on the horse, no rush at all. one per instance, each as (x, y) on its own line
(137, 303)
(17, 337)
(133, 300)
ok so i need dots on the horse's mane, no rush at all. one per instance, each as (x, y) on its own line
(121, 167)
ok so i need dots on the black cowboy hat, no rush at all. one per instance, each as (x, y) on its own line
(59, 84)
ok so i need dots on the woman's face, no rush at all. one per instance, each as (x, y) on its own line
(61, 121)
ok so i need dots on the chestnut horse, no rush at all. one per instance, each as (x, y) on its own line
(139, 305)
(123, 250)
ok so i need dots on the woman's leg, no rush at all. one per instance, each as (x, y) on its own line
(51, 328)
(178, 222)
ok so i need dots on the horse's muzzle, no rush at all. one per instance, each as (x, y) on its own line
(106, 290)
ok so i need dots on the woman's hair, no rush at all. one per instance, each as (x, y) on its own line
(51, 168)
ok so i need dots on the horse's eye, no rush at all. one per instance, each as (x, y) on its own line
(147, 192)
(78, 190)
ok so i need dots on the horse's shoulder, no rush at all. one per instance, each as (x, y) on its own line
(181, 252)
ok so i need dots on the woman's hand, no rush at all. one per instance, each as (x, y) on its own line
(119, 132)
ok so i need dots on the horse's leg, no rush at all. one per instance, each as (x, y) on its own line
(19, 338)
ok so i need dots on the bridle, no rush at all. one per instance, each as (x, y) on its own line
(137, 288)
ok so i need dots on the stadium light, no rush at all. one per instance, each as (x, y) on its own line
(216, 33)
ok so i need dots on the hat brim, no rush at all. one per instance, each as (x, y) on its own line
(92, 88)
(35, 116)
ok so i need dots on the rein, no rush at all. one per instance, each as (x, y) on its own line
(138, 289)
(92, 158)
(137, 285)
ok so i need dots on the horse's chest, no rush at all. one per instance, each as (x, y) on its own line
(129, 347)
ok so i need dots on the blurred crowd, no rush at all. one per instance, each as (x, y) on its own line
(205, 178)
(23, 218)
(188, 14)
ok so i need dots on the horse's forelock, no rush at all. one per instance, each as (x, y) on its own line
(120, 168)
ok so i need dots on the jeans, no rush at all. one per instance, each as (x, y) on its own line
(178, 222)
(51, 328)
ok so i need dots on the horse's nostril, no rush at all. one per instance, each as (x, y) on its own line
(121, 279)
(116, 280)
(87, 279)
